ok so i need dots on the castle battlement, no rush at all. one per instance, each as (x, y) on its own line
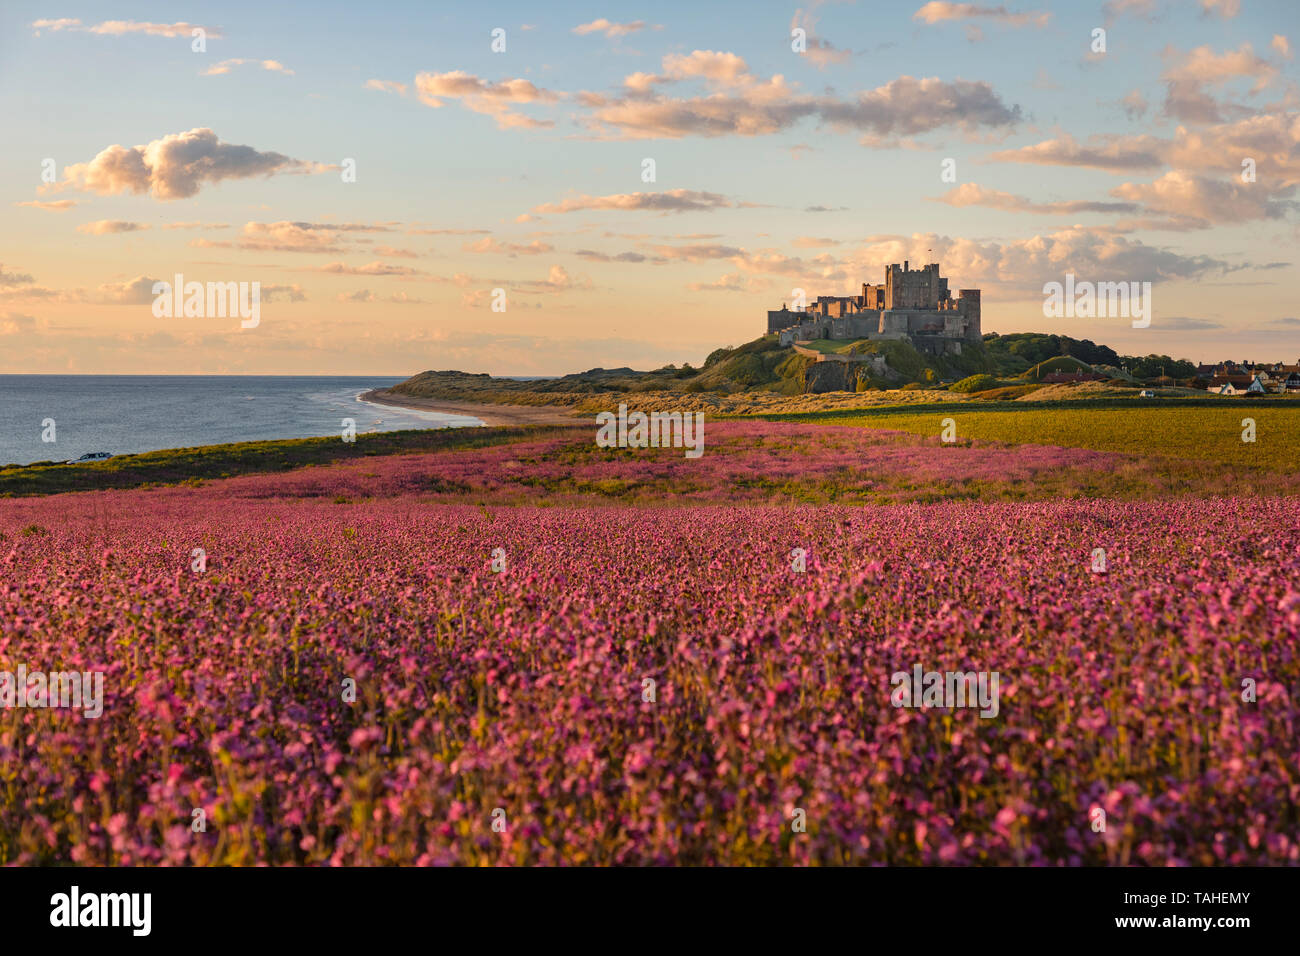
(911, 304)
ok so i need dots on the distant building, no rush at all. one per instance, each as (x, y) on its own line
(1237, 385)
(909, 305)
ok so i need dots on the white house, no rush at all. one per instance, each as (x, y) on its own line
(1255, 387)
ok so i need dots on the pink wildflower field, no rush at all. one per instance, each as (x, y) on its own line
(519, 693)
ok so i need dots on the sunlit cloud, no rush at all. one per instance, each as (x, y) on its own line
(938, 12)
(176, 166)
(58, 205)
(108, 227)
(225, 66)
(119, 28)
(609, 28)
(672, 200)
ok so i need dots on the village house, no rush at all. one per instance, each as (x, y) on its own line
(1237, 385)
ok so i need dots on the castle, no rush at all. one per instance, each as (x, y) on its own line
(912, 305)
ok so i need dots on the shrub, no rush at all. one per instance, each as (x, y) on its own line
(974, 383)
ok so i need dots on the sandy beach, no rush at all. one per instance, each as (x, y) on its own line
(489, 414)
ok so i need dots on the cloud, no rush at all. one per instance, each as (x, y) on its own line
(54, 26)
(673, 200)
(125, 27)
(365, 295)
(9, 279)
(1044, 81)
(938, 12)
(1134, 104)
(481, 96)
(744, 105)
(137, 291)
(611, 30)
(970, 194)
(593, 256)
(1272, 140)
(738, 102)
(196, 225)
(370, 269)
(820, 52)
(1145, 9)
(38, 293)
(225, 66)
(1185, 194)
(1203, 65)
(58, 205)
(1189, 74)
(1223, 9)
(557, 280)
(16, 323)
(448, 232)
(176, 166)
(108, 227)
(731, 282)
(293, 292)
(698, 252)
(825, 208)
(908, 106)
(386, 86)
(1182, 323)
(1108, 152)
(284, 236)
(813, 242)
(490, 245)
(1281, 45)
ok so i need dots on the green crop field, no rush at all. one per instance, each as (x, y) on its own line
(1200, 432)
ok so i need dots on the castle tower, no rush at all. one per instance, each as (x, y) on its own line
(969, 303)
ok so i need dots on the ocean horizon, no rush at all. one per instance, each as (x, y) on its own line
(131, 414)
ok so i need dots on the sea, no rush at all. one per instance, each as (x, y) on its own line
(129, 414)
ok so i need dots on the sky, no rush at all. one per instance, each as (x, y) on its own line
(641, 182)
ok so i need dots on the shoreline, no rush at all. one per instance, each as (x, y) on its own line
(489, 414)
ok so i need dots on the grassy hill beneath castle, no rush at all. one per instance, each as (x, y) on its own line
(999, 367)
